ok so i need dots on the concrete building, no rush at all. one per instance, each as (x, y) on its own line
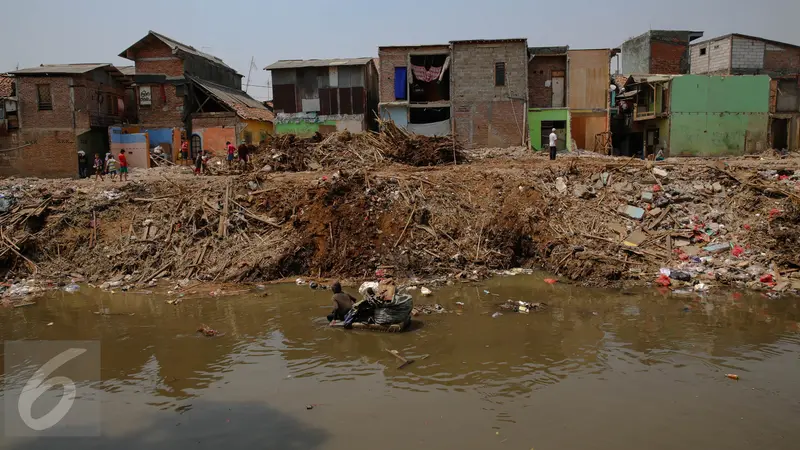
(739, 54)
(415, 88)
(324, 95)
(658, 51)
(489, 91)
(62, 109)
(695, 115)
(183, 93)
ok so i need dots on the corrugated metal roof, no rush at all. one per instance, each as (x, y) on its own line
(298, 63)
(127, 70)
(489, 41)
(57, 69)
(176, 46)
(245, 106)
(6, 85)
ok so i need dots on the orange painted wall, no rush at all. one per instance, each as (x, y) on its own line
(214, 139)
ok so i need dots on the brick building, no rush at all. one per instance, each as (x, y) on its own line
(173, 82)
(421, 102)
(547, 91)
(62, 109)
(489, 91)
(324, 95)
(9, 121)
(739, 54)
(658, 52)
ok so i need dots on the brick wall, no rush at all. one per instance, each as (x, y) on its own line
(213, 120)
(717, 59)
(157, 49)
(391, 57)
(30, 116)
(486, 114)
(166, 109)
(665, 57)
(540, 70)
(782, 59)
(47, 154)
(747, 53)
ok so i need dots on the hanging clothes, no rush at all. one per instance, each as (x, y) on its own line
(444, 68)
(426, 75)
(400, 83)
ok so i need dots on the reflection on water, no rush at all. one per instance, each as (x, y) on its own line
(599, 369)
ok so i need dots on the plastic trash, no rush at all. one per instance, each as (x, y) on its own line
(732, 376)
(460, 303)
(299, 281)
(766, 278)
(663, 280)
(550, 281)
(700, 287)
(496, 315)
(665, 271)
(737, 251)
(366, 285)
(425, 291)
(71, 288)
(680, 276)
(485, 291)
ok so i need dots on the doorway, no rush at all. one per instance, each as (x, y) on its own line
(196, 145)
(561, 133)
(780, 134)
(558, 89)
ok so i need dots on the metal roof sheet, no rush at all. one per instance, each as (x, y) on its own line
(176, 46)
(57, 69)
(6, 86)
(299, 63)
(245, 106)
(127, 70)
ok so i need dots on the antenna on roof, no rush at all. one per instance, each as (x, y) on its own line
(250, 71)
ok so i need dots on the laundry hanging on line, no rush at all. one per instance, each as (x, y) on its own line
(426, 75)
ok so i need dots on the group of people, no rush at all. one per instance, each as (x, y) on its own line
(201, 158)
(105, 166)
(345, 304)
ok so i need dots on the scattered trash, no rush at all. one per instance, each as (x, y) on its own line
(496, 315)
(550, 280)
(460, 303)
(425, 291)
(660, 172)
(663, 280)
(633, 212)
(72, 288)
(732, 376)
(209, 332)
(561, 186)
(701, 287)
(716, 248)
(299, 281)
(766, 278)
(370, 284)
(680, 276)
(309, 406)
(50, 324)
(737, 251)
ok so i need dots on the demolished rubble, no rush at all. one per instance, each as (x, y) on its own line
(597, 221)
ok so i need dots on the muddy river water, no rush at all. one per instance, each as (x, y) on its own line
(598, 369)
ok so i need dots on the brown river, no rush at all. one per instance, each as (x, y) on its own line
(599, 369)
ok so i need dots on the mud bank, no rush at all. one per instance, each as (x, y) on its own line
(597, 221)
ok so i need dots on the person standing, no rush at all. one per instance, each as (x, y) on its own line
(99, 166)
(244, 153)
(123, 166)
(553, 139)
(83, 164)
(198, 162)
(185, 152)
(112, 167)
(231, 152)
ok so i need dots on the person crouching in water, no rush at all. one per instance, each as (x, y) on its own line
(342, 303)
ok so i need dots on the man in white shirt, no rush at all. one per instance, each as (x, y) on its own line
(553, 139)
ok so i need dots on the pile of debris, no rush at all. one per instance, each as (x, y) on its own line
(342, 149)
(598, 221)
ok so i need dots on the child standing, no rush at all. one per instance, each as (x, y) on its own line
(111, 167)
(123, 165)
(231, 151)
(198, 163)
(98, 168)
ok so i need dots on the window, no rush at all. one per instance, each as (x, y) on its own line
(248, 137)
(499, 74)
(43, 98)
(702, 51)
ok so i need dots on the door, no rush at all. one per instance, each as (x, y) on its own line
(195, 146)
(558, 92)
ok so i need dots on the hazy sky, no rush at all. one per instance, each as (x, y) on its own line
(70, 31)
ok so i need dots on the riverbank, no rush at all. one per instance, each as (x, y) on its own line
(687, 223)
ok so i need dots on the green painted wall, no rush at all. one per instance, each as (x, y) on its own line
(713, 116)
(301, 129)
(535, 119)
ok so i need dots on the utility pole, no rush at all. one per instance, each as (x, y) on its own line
(249, 72)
